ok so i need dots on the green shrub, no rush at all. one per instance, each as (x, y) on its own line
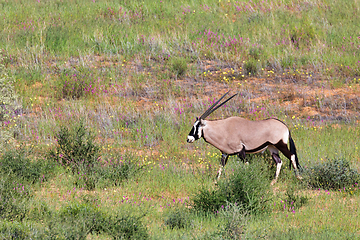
(13, 198)
(248, 187)
(78, 83)
(178, 66)
(17, 162)
(209, 201)
(118, 169)
(235, 221)
(178, 218)
(14, 230)
(76, 148)
(293, 200)
(21, 230)
(77, 151)
(72, 86)
(251, 67)
(303, 34)
(126, 227)
(334, 174)
(255, 53)
(303, 232)
(77, 221)
(111, 173)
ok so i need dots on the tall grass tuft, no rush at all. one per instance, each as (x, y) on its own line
(179, 66)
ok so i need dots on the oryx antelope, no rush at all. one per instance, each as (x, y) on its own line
(238, 136)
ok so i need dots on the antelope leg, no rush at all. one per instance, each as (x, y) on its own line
(224, 158)
(278, 162)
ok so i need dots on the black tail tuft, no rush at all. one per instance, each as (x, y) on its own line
(293, 151)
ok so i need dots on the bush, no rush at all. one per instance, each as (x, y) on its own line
(251, 67)
(248, 187)
(126, 227)
(14, 230)
(235, 220)
(179, 66)
(178, 218)
(16, 162)
(334, 174)
(209, 201)
(77, 151)
(107, 173)
(293, 200)
(76, 148)
(77, 221)
(118, 169)
(77, 83)
(13, 198)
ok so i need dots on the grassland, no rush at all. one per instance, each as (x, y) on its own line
(125, 80)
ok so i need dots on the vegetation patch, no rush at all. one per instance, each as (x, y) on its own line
(332, 175)
(248, 187)
(78, 152)
(178, 218)
(17, 162)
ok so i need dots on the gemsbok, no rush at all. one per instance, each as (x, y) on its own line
(238, 136)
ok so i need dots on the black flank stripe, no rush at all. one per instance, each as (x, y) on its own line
(258, 148)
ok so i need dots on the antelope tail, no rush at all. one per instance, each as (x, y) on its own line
(293, 151)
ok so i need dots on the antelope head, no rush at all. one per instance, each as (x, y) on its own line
(196, 130)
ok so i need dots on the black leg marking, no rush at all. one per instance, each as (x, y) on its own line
(281, 146)
(285, 150)
(224, 158)
(242, 154)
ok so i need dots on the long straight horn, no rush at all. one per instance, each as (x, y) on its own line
(223, 103)
(212, 109)
(208, 111)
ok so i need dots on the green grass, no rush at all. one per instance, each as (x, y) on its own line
(135, 74)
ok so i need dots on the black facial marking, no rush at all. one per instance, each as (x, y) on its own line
(194, 132)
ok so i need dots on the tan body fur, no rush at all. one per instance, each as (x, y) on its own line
(230, 135)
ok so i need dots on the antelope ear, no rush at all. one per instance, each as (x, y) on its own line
(202, 122)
